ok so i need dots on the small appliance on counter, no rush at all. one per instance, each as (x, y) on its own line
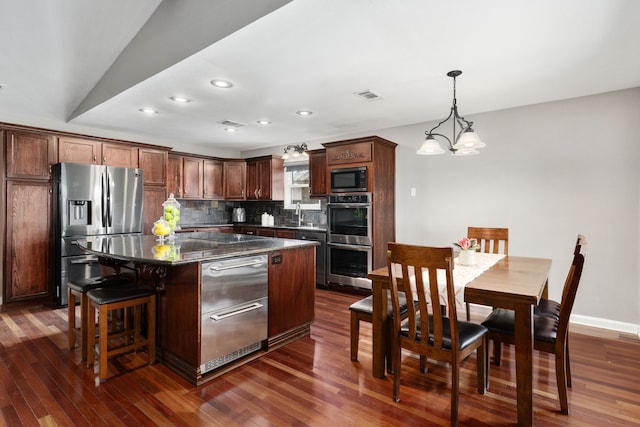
(238, 215)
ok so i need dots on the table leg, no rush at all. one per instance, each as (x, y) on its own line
(378, 328)
(524, 363)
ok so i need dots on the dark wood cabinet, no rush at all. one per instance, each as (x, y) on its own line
(265, 178)
(90, 151)
(153, 198)
(29, 155)
(192, 178)
(285, 234)
(292, 278)
(317, 173)
(174, 175)
(154, 166)
(28, 241)
(378, 155)
(234, 179)
(212, 185)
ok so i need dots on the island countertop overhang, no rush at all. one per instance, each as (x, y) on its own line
(186, 248)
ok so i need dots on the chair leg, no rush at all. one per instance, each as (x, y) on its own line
(151, 329)
(468, 312)
(561, 380)
(91, 336)
(355, 336)
(568, 363)
(455, 389)
(481, 366)
(397, 359)
(103, 343)
(71, 322)
(497, 352)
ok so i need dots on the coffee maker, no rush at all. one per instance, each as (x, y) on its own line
(238, 215)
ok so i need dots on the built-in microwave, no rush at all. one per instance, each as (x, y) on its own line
(349, 180)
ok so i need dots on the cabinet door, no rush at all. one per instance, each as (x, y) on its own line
(174, 176)
(212, 186)
(29, 237)
(286, 234)
(120, 155)
(234, 180)
(253, 187)
(317, 173)
(29, 155)
(75, 150)
(154, 166)
(291, 289)
(153, 197)
(192, 178)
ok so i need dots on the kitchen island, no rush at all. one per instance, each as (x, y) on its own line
(199, 278)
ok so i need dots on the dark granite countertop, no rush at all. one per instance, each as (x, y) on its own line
(186, 248)
(319, 228)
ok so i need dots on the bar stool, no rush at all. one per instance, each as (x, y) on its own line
(363, 311)
(77, 291)
(107, 299)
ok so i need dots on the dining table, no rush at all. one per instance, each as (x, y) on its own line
(512, 282)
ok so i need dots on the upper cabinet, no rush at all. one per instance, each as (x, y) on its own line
(265, 178)
(77, 150)
(212, 185)
(234, 179)
(154, 165)
(29, 155)
(195, 177)
(317, 173)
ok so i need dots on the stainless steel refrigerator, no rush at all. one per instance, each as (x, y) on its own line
(91, 200)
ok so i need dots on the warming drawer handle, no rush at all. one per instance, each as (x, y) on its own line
(229, 267)
(239, 310)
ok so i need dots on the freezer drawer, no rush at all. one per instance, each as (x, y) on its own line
(229, 282)
(230, 333)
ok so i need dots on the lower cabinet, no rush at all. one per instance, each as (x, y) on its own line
(28, 248)
(292, 278)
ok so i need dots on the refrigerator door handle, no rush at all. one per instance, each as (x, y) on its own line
(103, 204)
(109, 210)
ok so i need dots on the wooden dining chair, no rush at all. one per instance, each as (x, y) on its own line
(428, 331)
(550, 333)
(491, 240)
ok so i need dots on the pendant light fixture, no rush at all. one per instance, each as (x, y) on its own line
(464, 143)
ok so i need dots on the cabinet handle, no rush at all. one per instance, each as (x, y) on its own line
(104, 159)
(95, 158)
(239, 310)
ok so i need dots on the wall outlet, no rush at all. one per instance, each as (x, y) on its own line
(413, 192)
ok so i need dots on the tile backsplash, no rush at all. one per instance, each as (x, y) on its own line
(194, 212)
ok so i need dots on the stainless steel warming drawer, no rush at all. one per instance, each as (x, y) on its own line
(234, 309)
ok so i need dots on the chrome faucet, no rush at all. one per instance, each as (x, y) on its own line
(299, 213)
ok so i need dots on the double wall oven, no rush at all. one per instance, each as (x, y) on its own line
(349, 247)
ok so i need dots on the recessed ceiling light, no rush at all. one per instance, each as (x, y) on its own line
(304, 113)
(148, 111)
(231, 130)
(221, 83)
(180, 99)
(263, 122)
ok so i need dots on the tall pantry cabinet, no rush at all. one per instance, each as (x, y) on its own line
(28, 227)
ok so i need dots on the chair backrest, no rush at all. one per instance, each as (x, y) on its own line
(420, 263)
(571, 287)
(489, 239)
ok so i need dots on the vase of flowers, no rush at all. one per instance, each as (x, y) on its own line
(468, 247)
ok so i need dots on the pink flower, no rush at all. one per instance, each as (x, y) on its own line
(467, 244)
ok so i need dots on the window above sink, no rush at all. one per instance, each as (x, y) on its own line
(296, 187)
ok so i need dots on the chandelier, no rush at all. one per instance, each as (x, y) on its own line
(464, 143)
(297, 151)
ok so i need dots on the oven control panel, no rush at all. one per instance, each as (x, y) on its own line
(350, 198)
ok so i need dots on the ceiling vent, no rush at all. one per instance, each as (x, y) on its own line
(368, 95)
(232, 123)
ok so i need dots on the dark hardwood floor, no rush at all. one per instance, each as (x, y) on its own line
(309, 382)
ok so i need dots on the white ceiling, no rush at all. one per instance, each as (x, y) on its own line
(89, 66)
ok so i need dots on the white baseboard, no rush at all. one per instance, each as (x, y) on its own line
(612, 325)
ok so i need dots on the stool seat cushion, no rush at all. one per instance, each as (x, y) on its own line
(113, 294)
(84, 285)
(365, 305)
